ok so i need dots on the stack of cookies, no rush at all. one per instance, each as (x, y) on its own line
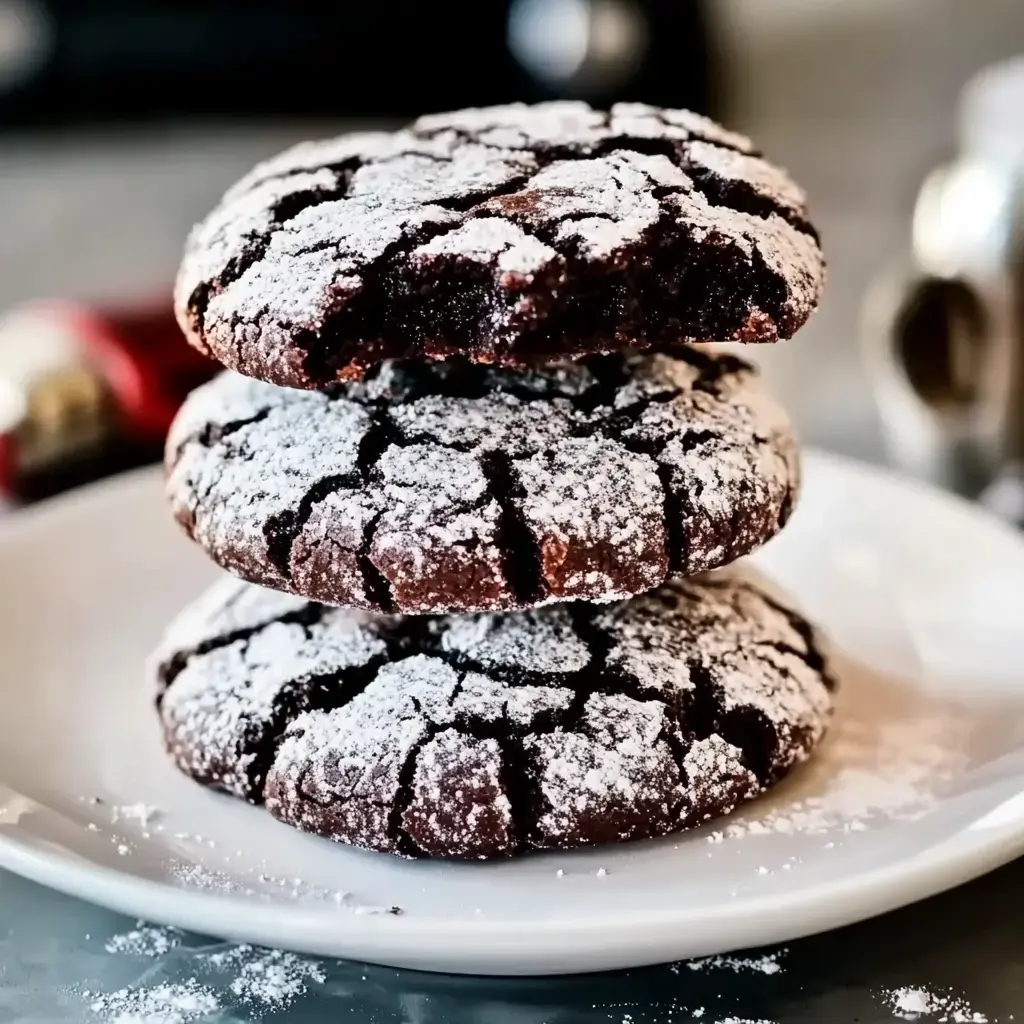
(475, 478)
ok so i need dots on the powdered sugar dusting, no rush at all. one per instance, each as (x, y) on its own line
(261, 465)
(214, 711)
(491, 238)
(492, 422)
(593, 492)
(427, 752)
(516, 124)
(453, 459)
(769, 670)
(793, 255)
(616, 766)
(230, 606)
(603, 203)
(250, 215)
(536, 641)
(531, 199)
(142, 814)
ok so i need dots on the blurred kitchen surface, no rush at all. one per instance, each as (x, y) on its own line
(855, 97)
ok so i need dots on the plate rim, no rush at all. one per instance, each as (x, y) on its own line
(741, 924)
(491, 946)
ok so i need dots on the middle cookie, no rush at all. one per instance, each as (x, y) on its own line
(447, 487)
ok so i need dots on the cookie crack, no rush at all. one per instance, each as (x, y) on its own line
(598, 642)
(404, 795)
(329, 691)
(704, 714)
(469, 202)
(716, 140)
(744, 198)
(331, 352)
(673, 515)
(715, 188)
(514, 778)
(344, 170)
(285, 209)
(702, 708)
(213, 433)
(381, 434)
(679, 749)
(376, 585)
(812, 657)
(281, 529)
(519, 555)
(170, 669)
(619, 420)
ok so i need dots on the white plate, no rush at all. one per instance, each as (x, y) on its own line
(920, 787)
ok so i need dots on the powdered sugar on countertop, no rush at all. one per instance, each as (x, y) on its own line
(248, 979)
(144, 940)
(912, 1003)
(192, 982)
(767, 964)
(158, 1004)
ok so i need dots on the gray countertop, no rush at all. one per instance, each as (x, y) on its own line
(966, 945)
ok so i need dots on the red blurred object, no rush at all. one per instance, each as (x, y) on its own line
(87, 391)
(6, 462)
(146, 362)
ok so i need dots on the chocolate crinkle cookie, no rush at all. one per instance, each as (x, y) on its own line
(509, 235)
(442, 487)
(485, 736)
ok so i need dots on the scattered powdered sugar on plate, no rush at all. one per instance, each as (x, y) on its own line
(871, 769)
(195, 876)
(141, 814)
(158, 1004)
(271, 887)
(914, 1003)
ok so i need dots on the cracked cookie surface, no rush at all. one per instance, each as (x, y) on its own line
(509, 235)
(441, 487)
(488, 735)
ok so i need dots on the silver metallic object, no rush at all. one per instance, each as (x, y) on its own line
(944, 332)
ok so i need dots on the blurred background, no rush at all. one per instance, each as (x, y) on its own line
(122, 123)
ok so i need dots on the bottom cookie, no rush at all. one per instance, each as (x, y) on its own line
(482, 736)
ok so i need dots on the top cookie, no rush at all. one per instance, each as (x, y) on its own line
(510, 235)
